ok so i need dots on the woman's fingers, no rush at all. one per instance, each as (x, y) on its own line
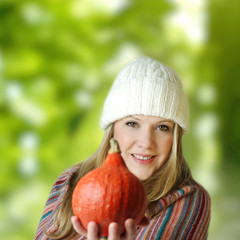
(131, 229)
(78, 226)
(130, 234)
(92, 230)
(113, 231)
(92, 233)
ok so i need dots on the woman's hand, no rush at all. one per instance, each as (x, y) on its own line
(78, 226)
(113, 232)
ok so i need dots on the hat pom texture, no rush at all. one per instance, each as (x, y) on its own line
(146, 87)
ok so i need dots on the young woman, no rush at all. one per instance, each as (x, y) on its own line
(146, 111)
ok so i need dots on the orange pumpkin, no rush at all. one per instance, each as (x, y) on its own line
(110, 193)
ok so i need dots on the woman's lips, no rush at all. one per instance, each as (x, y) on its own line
(142, 158)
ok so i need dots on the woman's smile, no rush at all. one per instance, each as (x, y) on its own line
(143, 159)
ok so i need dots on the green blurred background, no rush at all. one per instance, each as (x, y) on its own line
(58, 59)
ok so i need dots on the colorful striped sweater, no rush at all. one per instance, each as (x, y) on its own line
(180, 215)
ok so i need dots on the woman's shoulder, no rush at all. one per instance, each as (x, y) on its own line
(64, 179)
(67, 174)
(191, 192)
(59, 189)
(55, 198)
(190, 189)
(183, 213)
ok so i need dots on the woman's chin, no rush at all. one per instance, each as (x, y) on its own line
(142, 177)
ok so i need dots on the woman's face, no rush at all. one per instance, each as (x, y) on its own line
(145, 143)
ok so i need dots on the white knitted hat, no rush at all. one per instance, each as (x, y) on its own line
(148, 87)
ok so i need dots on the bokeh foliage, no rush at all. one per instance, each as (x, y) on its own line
(57, 61)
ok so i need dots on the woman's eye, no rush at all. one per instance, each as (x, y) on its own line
(131, 124)
(163, 127)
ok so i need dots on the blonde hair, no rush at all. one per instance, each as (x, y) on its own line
(171, 175)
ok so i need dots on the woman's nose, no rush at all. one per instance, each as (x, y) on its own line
(146, 139)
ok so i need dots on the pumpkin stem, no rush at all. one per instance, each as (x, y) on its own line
(114, 146)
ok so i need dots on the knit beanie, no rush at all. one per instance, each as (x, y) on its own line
(146, 87)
